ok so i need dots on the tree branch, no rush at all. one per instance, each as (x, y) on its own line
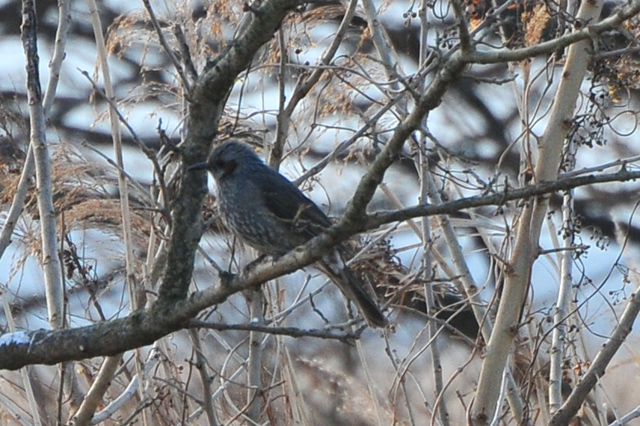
(372, 179)
(525, 251)
(143, 328)
(510, 55)
(48, 229)
(345, 336)
(597, 368)
(497, 199)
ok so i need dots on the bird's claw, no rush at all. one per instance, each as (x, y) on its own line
(226, 277)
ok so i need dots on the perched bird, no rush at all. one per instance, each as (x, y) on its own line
(269, 213)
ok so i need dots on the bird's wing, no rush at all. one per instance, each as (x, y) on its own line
(288, 203)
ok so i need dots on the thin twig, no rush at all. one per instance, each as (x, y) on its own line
(283, 118)
(205, 378)
(48, 228)
(148, 152)
(307, 80)
(281, 331)
(597, 368)
(185, 52)
(165, 45)
(255, 359)
(64, 21)
(137, 299)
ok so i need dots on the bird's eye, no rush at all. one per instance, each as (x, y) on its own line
(227, 167)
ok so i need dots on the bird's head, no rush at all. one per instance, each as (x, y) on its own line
(227, 158)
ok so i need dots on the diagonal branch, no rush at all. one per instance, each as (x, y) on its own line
(597, 368)
(525, 250)
(370, 181)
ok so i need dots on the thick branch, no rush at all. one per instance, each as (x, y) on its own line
(107, 338)
(518, 274)
(139, 329)
(143, 328)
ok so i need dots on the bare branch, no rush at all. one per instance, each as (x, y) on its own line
(280, 331)
(165, 45)
(528, 231)
(143, 328)
(94, 397)
(497, 199)
(48, 228)
(547, 47)
(205, 378)
(601, 361)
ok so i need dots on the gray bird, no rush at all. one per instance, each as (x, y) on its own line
(269, 213)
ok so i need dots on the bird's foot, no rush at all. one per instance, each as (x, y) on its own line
(226, 277)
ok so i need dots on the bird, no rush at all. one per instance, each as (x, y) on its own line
(266, 211)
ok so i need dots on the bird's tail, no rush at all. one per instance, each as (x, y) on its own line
(353, 288)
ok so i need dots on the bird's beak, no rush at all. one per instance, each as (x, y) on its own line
(198, 166)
